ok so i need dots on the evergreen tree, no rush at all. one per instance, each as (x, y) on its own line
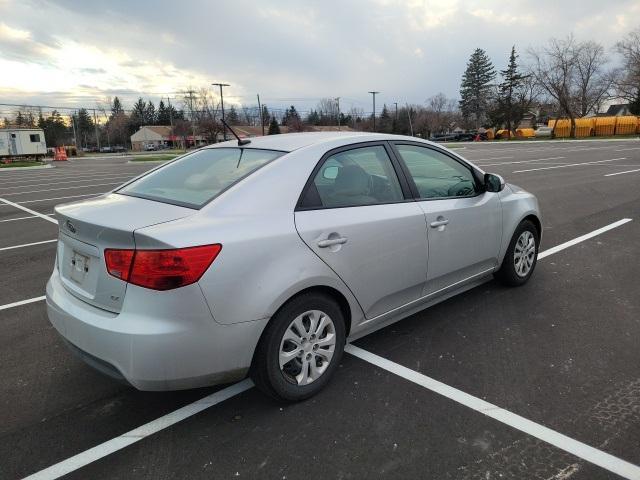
(475, 89)
(385, 120)
(116, 107)
(163, 118)
(232, 117)
(150, 114)
(84, 126)
(274, 128)
(509, 105)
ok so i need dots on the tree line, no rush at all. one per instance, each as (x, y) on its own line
(564, 78)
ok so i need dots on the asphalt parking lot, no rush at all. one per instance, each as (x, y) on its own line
(559, 356)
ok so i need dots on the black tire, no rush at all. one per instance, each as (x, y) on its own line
(265, 370)
(507, 273)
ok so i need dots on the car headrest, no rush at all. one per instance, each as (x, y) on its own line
(352, 180)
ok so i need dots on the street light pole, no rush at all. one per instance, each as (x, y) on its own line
(224, 129)
(338, 104)
(374, 109)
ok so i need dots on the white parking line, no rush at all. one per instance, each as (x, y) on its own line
(75, 187)
(60, 198)
(582, 238)
(22, 302)
(28, 210)
(91, 177)
(521, 161)
(486, 159)
(96, 453)
(571, 165)
(574, 447)
(110, 446)
(23, 218)
(28, 244)
(620, 173)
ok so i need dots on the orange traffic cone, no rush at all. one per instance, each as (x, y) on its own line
(61, 154)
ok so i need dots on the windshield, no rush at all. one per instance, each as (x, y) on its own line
(196, 179)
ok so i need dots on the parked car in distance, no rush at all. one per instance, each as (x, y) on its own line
(150, 147)
(106, 149)
(119, 149)
(265, 257)
(543, 132)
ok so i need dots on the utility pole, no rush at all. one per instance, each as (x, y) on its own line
(374, 109)
(224, 129)
(395, 120)
(409, 115)
(73, 124)
(261, 117)
(171, 121)
(193, 125)
(95, 125)
(338, 104)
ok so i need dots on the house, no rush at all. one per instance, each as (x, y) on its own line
(161, 136)
(618, 110)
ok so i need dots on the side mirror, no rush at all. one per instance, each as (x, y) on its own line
(493, 182)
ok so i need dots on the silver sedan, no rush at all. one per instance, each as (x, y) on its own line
(265, 257)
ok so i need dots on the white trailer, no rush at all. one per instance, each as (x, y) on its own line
(22, 142)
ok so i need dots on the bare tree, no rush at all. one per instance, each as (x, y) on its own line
(573, 74)
(593, 81)
(627, 84)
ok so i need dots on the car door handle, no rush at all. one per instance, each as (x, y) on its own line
(439, 223)
(332, 241)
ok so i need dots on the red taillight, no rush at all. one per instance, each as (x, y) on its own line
(119, 262)
(161, 269)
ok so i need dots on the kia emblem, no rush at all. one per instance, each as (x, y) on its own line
(70, 226)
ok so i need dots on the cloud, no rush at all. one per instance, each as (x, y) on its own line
(408, 49)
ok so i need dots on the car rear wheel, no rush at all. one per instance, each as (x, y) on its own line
(521, 256)
(301, 348)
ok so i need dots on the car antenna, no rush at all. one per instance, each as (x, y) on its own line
(240, 141)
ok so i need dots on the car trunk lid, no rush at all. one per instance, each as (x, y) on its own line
(89, 227)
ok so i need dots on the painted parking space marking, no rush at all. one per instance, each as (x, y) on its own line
(22, 302)
(582, 238)
(28, 244)
(571, 165)
(100, 451)
(522, 161)
(620, 173)
(75, 187)
(110, 446)
(56, 198)
(96, 177)
(28, 210)
(23, 218)
(575, 447)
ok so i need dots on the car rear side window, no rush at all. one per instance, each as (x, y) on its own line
(359, 176)
(197, 178)
(437, 175)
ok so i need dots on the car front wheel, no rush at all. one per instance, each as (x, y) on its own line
(521, 256)
(301, 348)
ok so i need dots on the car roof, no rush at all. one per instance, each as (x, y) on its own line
(288, 142)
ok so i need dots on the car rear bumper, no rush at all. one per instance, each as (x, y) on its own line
(159, 341)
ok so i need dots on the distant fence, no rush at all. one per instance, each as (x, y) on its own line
(597, 126)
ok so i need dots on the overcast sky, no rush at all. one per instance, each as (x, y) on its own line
(76, 52)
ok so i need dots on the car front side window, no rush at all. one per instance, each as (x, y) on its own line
(437, 175)
(355, 177)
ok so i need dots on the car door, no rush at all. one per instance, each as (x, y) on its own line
(464, 222)
(356, 214)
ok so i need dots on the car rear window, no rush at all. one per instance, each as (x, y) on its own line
(197, 178)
